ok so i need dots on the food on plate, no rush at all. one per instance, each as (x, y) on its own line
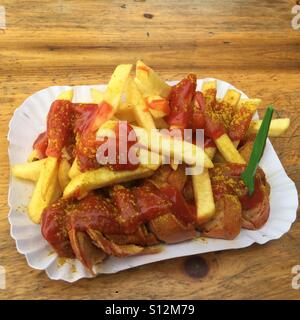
(156, 190)
(277, 127)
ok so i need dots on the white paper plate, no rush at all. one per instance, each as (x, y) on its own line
(30, 119)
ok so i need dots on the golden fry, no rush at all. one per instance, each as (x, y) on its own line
(65, 95)
(97, 95)
(103, 177)
(28, 170)
(74, 170)
(228, 150)
(171, 147)
(48, 174)
(33, 156)
(208, 85)
(134, 98)
(116, 85)
(125, 111)
(251, 104)
(149, 82)
(277, 127)
(63, 170)
(43, 198)
(232, 97)
(204, 197)
(210, 151)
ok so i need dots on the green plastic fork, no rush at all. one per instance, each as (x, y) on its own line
(257, 151)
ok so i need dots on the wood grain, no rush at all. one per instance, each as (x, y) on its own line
(248, 43)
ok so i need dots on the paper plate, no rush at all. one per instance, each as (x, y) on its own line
(30, 119)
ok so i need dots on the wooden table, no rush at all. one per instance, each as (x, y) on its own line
(250, 44)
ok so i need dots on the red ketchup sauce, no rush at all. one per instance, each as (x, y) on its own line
(240, 124)
(228, 181)
(180, 208)
(59, 127)
(40, 145)
(250, 202)
(180, 102)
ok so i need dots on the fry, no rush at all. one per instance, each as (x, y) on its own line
(125, 111)
(228, 150)
(65, 95)
(48, 174)
(203, 194)
(173, 165)
(277, 127)
(41, 199)
(158, 106)
(33, 156)
(103, 177)
(107, 129)
(204, 197)
(134, 98)
(63, 169)
(149, 82)
(208, 85)
(252, 103)
(171, 147)
(28, 170)
(210, 151)
(232, 97)
(47, 188)
(97, 95)
(116, 85)
(74, 170)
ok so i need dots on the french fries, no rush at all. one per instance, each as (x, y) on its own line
(33, 156)
(116, 85)
(158, 106)
(223, 143)
(210, 151)
(164, 145)
(47, 175)
(172, 147)
(125, 111)
(143, 102)
(142, 115)
(277, 127)
(43, 195)
(249, 103)
(47, 188)
(66, 95)
(208, 85)
(97, 95)
(74, 170)
(149, 83)
(103, 177)
(232, 97)
(28, 170)
(63, 169)
(203, 194)
(228, 150)
(204, 197)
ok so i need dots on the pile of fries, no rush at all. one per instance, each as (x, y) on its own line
(141, 100)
